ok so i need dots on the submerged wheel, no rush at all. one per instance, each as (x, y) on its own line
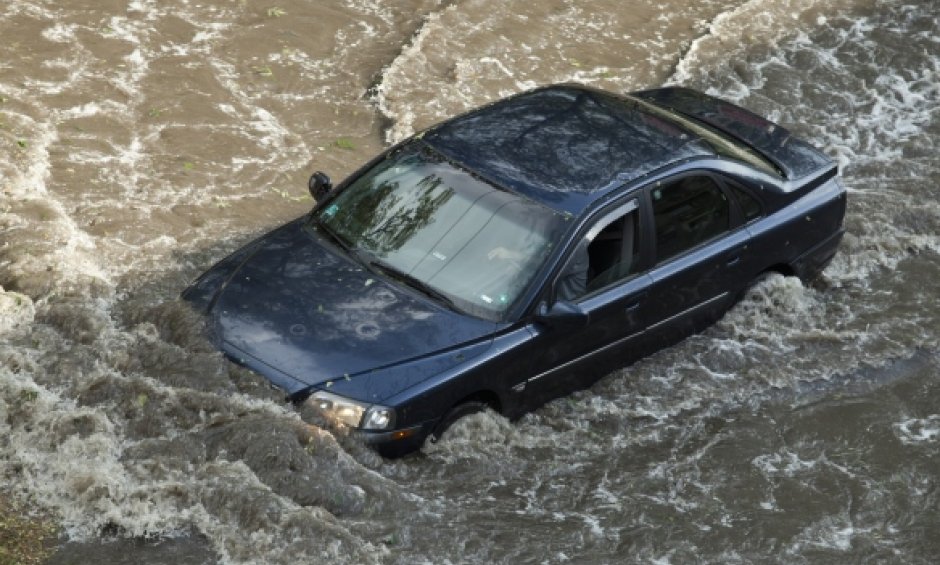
(456, 413)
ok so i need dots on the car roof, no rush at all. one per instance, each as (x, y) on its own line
(564, 145)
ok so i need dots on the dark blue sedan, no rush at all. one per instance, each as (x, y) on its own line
(519, 252)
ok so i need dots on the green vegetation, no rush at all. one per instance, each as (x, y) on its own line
(391, 540)
(263, 70)
(344, 143)
(22, 143)
(24, 539)
(276, 12)
(286, 195)
(28, 395)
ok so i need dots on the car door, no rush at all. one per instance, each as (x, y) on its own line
(611, 257)
(701, 257)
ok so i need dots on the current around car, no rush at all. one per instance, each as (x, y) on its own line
(519, 252)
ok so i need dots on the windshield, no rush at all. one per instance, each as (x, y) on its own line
(435, 227)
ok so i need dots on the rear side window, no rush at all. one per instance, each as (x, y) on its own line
(688, 212)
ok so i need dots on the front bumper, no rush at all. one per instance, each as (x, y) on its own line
(396, 443)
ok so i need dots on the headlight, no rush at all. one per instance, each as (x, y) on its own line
(352, 413)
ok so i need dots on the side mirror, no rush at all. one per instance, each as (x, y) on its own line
(563, 315)
(319, 185)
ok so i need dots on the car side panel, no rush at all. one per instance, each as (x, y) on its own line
(563, 361)
(804, 235)
(534, 363)
(495, 372)
(693, 290)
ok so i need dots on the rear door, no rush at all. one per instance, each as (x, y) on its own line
(700, 250)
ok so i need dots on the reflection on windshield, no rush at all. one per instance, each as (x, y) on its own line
(468, 240)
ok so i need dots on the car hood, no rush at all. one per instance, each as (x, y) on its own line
(302, 313)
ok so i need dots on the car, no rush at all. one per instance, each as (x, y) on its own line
(518, 252)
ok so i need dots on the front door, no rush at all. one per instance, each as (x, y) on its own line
(603, 278)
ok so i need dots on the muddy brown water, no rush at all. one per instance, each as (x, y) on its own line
(142, 140)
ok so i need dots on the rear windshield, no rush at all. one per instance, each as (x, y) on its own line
(720, 143)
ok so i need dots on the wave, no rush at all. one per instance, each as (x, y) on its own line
(754, 23)
(470, 53)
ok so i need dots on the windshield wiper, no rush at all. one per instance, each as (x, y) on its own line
(413, 282)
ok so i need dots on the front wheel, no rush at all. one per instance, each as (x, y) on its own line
(456, 413)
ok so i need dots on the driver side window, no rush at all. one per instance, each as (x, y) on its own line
(609, 253)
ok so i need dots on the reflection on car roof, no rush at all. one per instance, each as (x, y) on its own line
(563, 145)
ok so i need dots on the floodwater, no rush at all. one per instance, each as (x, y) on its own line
(142, 140)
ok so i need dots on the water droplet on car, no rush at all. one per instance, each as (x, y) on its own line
(384, 295)
(367, 330)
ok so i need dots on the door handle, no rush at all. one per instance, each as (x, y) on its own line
(734, 256)
(633, 305)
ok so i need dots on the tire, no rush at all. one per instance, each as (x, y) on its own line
(456, 413)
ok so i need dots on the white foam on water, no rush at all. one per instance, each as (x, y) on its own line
(120, 27)
(403, 124)
(373, 8)
(72, 254)
(72, 460)
(140, 6)
(835, 533)
(16, 311)
(274, 134)
(913, 431)
(468, 54)
(593, 525)
(870, 122)
(754, 22)
(787, 464)
(486, 430)
(60, 33)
